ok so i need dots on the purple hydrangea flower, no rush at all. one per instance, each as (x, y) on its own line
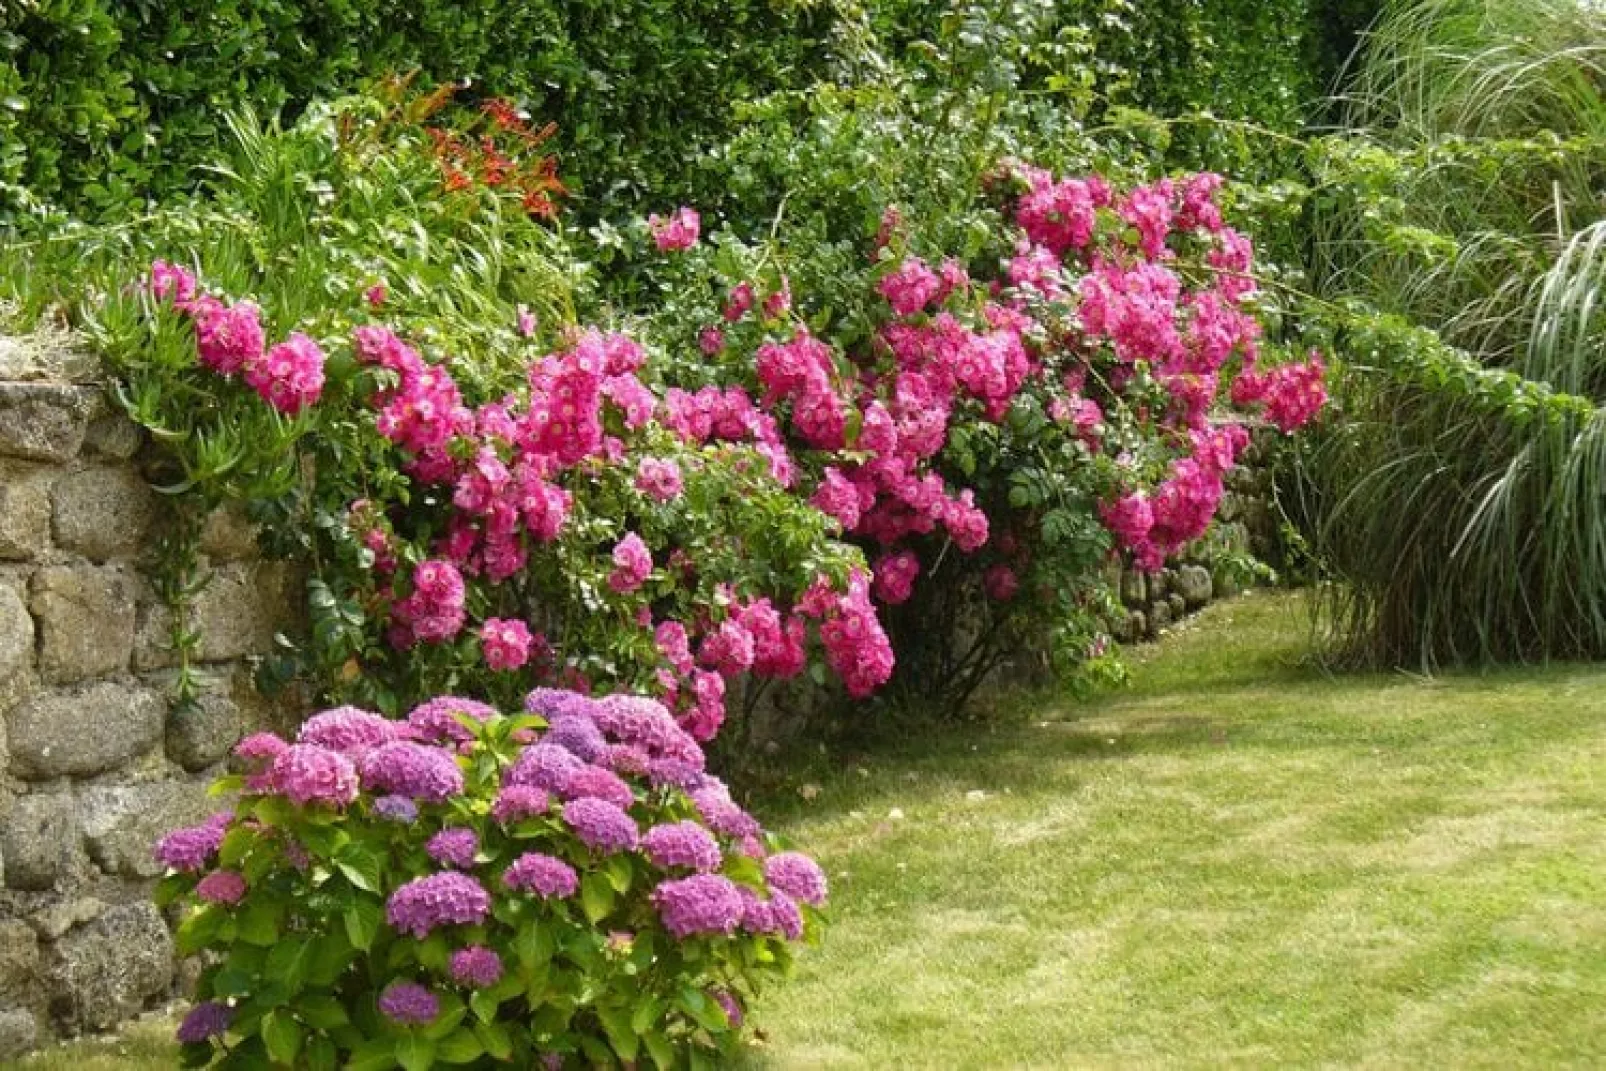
(260, 746)
(733, 1009)
(646, 723)
(409, 1004)
(221, 887)
(417, 771)
(437, 721)
(207, 1020)
(543, 766)
(519, 801)
(700, 904)
(308, 773)
(796, 875)
(600, 825)
(777, 915)
(596, 783)
(435, 900)
(673, 773)
(722, 815)
(191, 849)
(577, 734)
(454, 847)
(681, 844)
(476, 967)
(554, 703)
(347, 729)
(626, 758)
(543, 875)
(396, 809)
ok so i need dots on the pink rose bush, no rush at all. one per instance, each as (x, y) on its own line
(563, 887)
(1010, 422)
(761, 493)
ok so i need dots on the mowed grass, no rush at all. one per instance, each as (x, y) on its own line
(1238, 862)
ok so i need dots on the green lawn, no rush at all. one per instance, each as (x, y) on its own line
(1239, 861)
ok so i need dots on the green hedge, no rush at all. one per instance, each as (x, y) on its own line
(104, 102)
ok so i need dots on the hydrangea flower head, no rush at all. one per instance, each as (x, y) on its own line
(409, 1004)
(420, 772)
(543, 765)
(205, 1021)
(578, 735)
(796, 875)
(438, 721)
(703, 904)
(681, 844)
(310, 774)
(455, 847)
(396, 809)
(221, 887)
(595, 782)
(600, 825)
(475, 967)
(517, 802)
(347, 729)
(434, 900)
(190, 850)
(543, 875)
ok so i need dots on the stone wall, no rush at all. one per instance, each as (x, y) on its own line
(93, 764)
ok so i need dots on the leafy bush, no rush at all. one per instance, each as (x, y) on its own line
(488, 498)
(566, 887)
(105, 103)
(109, 102)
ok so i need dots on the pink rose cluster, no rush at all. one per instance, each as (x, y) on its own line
(229, 340)
(676, 232)
(1133, 307)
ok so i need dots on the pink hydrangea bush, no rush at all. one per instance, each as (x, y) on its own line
(565, 887)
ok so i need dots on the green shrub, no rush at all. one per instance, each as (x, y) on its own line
(104, 102)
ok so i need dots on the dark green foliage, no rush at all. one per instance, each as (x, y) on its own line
(106, 101)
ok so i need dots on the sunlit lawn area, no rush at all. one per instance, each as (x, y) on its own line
(1239, 861)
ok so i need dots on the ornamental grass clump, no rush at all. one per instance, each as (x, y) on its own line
(474, 889)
